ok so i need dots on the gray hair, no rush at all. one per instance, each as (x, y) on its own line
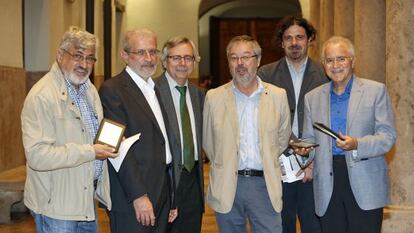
(143, 32)
(246, 39)
(78, 38)
(337, 40)
(174, 41)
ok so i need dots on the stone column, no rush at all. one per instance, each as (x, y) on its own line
(369, 39)
(314, 50)
(344, 18)
(326, 23)
(399, 80)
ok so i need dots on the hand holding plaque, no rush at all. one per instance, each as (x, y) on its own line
(326, 130)
(110, 133)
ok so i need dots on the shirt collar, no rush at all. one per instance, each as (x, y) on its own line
(72, 89)
(141, 83)
(301, 68)
(259, 89)
(347, 88)
(172, 83)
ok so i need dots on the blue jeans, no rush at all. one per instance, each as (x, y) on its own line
(45, 224)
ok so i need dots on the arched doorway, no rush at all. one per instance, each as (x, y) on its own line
(220, 20)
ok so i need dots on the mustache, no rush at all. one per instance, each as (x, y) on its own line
(81, 69)
(295, 47)
(241, 68)
(148, 64)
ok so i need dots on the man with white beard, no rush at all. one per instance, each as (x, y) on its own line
(60, 118)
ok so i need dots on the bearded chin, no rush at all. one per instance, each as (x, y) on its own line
(76, 80)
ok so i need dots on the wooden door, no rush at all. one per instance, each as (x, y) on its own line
(222, 30)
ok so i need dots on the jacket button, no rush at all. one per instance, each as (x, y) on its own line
(83, 130)
(330, 173)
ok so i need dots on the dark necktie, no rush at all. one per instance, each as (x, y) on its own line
(188, 144)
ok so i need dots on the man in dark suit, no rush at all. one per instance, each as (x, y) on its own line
(178, 57)
(141, 189)
(297, 74)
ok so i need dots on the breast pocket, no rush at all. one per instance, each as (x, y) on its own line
(69, 129)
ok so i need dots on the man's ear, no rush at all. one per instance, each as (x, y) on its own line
(258, 61)
(59, 55)
(124, 56)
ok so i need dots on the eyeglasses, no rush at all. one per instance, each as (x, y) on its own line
(341, 60)
(143, 52)
(178, 58)
(79, 57)
(244, 59)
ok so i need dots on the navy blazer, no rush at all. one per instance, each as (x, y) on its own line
(143, 169)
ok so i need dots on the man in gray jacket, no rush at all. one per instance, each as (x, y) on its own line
(60, 118)
(350, 171)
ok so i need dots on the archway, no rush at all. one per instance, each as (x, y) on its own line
(252, 14)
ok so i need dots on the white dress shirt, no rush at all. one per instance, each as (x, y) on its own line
(147, 88)
(176, 99)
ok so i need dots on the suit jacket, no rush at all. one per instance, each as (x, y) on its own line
(370, 119)
(221, 143)
(197, 101)
(277, 73)
(143, 169)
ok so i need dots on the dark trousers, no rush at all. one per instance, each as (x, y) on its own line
(343, 214)
(189, 203)
(298, 200)
(125, 221)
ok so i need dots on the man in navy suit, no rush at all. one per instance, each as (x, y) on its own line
(141, 190)
(350, 173)
(297, 74)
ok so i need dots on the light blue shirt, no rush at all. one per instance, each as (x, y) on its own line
(297, 79)
(248, 118)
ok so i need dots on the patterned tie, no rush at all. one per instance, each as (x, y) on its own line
(188, 148)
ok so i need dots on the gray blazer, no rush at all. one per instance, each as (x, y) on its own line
(370, 119)
(197, 102)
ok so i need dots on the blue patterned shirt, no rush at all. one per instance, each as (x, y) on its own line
(88, 115)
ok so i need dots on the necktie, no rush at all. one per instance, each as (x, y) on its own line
(188, 144)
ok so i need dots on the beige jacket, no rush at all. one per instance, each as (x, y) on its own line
(221, 143)
(59, 152)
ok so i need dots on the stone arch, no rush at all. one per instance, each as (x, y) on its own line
(237, 9)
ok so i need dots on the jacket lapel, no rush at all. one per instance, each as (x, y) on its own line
(354, 101)
(231, 109)
(136, 95)
(166, 97)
